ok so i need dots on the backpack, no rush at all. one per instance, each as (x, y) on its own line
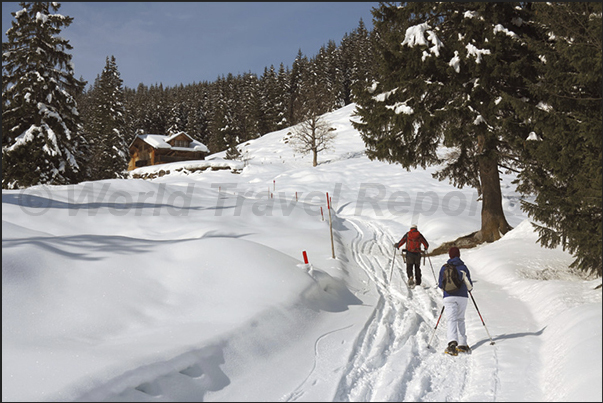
(451, 282)
(413, 241)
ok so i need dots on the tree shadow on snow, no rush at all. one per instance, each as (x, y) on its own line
(94, 247)
(35, 202)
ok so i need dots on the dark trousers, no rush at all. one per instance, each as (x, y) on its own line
(413, 262)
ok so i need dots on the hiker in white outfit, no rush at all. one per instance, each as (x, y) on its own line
(455, 303)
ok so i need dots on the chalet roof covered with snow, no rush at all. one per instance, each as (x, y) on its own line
(162, 141)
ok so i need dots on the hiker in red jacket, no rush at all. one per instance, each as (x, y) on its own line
(413, 240)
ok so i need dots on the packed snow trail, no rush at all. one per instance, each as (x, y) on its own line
(392, 361)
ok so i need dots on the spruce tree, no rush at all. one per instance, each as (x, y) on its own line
(135, 101)
(447, 71)
(107, 127)
(562, 167)
(222, 125)
(362, 60)
(198, 111)
(41, 141)
(296, 87)
(268, 107)
(326, 71)
(233, 153)
(177, 117)
(347, 66)
(87, 107)
(249, 111)
(282, 96)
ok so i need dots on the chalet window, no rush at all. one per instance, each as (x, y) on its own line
(180, 143)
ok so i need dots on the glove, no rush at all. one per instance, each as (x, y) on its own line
(396, 245)
(467, 282)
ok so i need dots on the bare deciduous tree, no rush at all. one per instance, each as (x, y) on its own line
(313, 135)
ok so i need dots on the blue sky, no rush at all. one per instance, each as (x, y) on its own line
(180, 43)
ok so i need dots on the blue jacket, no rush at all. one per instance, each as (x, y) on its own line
(461, 268)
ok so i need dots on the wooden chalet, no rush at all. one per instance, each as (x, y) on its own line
(153, 149)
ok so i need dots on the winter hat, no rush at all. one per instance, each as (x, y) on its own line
(413, 226)
(454, 252)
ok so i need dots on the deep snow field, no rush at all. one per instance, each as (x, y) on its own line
(192, 287)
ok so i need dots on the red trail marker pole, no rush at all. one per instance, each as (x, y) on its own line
(330, 227)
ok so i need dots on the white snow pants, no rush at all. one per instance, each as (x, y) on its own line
(455, 314)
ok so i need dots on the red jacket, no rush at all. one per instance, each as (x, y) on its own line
(413, 240)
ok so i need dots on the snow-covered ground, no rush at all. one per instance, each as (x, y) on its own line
(192, 287)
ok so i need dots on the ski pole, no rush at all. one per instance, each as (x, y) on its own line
(391, 271)
(433, 272)
(480, 316)
(436, 326)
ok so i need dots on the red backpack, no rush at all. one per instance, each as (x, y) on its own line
(414, 240)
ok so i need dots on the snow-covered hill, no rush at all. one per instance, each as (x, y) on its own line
(192, 287)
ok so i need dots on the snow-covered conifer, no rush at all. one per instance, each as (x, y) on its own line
(447, 73)
(109, 157)
(562, 167)
(40, 120)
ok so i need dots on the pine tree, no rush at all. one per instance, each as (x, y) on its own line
(347, 66)
(40, 122)
(135, 101)
(447, 73)
(222, 126)
(282, 101)
(249, 111)
(563, 163)
(198, 119)
(157, 110)
(233, 153)
(326, 75)
(313, 96)
(361, 59)
(177, 117)
(269, 112)
(107, 125)
(87, 108)
(296, 87)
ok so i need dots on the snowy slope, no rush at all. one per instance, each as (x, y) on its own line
(192, 287)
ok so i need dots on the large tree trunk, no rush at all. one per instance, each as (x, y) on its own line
(494, 223)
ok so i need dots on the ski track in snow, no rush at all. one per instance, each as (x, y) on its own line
(391, 360)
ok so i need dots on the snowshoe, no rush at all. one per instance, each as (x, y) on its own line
(463, 349)
(451, 349)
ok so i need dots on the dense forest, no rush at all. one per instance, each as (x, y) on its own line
(220, 114)
(232, 109)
